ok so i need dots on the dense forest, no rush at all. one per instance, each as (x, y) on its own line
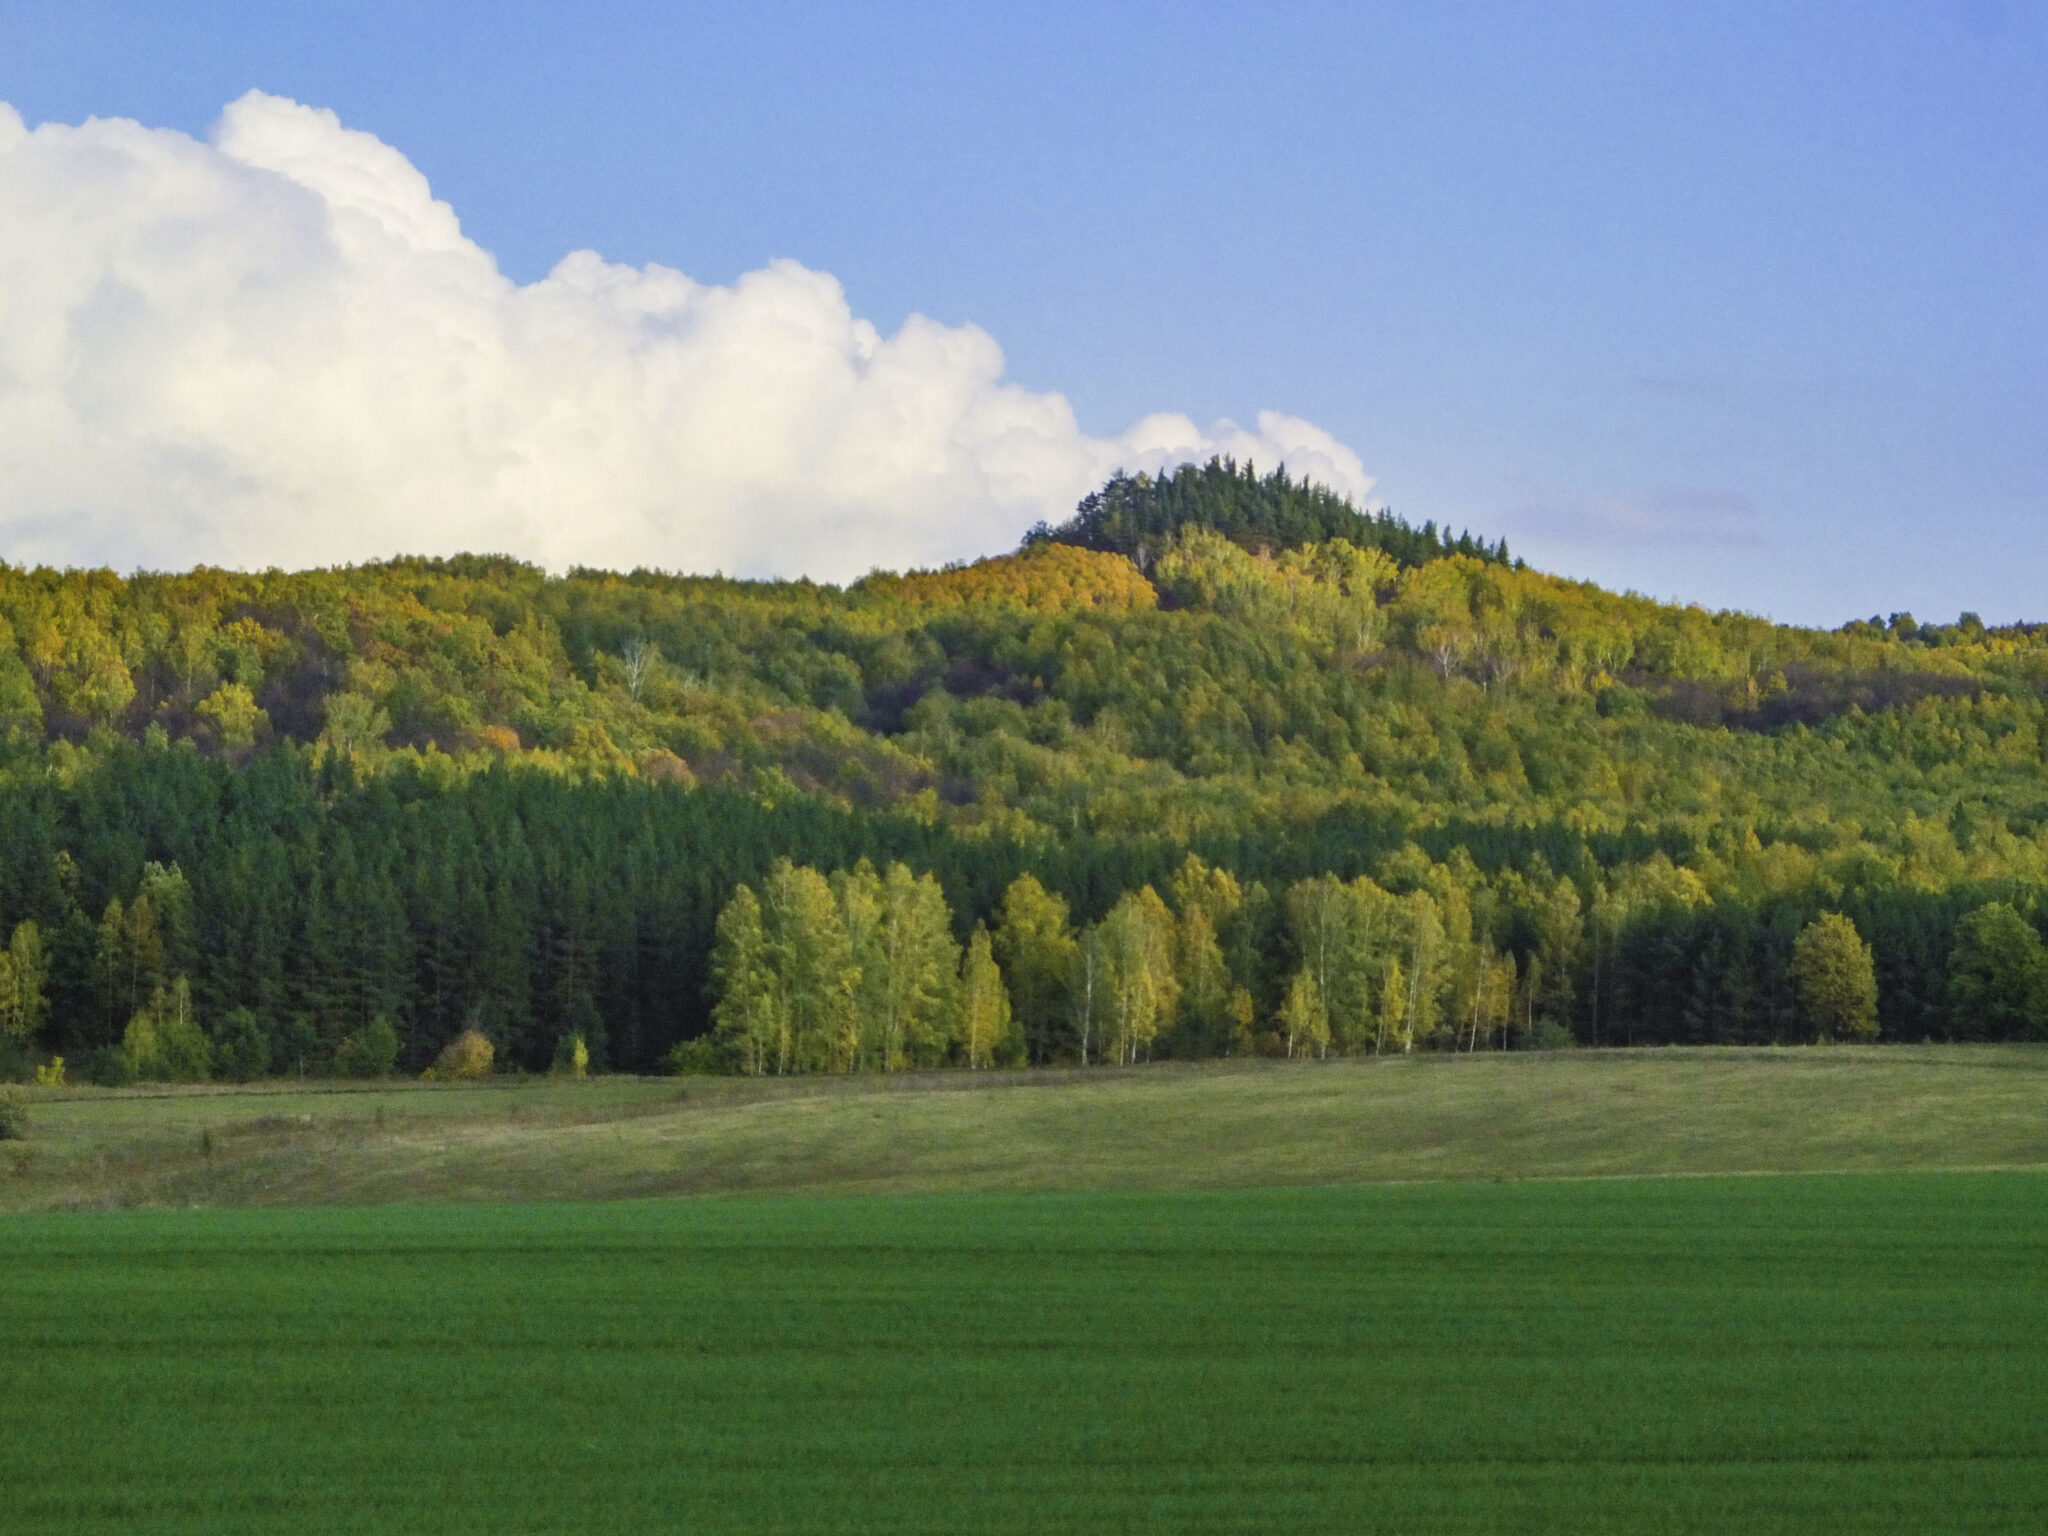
(1220, 766)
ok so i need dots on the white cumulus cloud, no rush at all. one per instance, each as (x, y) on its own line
(278, 348)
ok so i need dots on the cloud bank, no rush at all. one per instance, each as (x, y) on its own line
(277, 348)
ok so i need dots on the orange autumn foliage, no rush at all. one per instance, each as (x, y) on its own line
(1045, 577)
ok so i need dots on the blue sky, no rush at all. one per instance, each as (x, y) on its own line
(1746, 305)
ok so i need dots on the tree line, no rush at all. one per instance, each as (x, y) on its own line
(854, 972)
(172, 915)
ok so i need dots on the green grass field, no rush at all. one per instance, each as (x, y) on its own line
(1814, 1354)
(1168, 1299)
(1165, 1127)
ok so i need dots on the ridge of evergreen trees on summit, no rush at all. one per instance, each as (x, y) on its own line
(1138, 516)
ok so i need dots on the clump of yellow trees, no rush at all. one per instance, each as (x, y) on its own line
(856, 972)
(860, 971)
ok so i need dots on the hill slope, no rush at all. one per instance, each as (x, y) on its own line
(462, 792)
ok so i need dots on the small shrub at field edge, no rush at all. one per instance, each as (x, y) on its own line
(109, 1067)
(695, 1058)
(467, 1056)
(373, 1051)
(572, 1057)
(51, 1073)
(241, 1048)
(13, 1115)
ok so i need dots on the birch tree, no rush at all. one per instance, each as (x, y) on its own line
(751, 1017)
(807, 941)
(858, 892)
(1090, 986)
(1037, 952)
(1319, 918)
(984, 1003)
(917, 967)
(24, 968)
(1303, 1018)
(1141, 988)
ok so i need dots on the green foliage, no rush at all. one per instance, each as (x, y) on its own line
(241, 1046)
(1304, 1016)
(1998, 975)
(1137, 516)
(14, 1114)
(907, 991)
(1327, 594)
(110, 1067)
(1139, 987)
(1831, 967)
(572, 1057)
(752, 1015)
(816, 971)
(1210, 998)
(1037, 951)
(448, 791)
(371, 1051)
(1046, 577)
(163, 1041)
(234, 714)
(987, 1037)
(24, 975)
(856, 972)
(696, 1058)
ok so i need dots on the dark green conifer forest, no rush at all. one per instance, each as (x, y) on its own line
(1221, 766)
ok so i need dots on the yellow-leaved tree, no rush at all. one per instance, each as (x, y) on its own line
(1140, 989)
(1038, 955)
(984, 1004)
(1835, 978)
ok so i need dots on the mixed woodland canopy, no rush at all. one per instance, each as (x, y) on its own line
(1220, 766)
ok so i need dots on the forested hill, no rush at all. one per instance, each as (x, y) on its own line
(1138, 515)
(1338, 792)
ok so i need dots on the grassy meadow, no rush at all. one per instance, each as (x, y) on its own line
(1799, 1354)
(1395, 1296)
(1563, 1114)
